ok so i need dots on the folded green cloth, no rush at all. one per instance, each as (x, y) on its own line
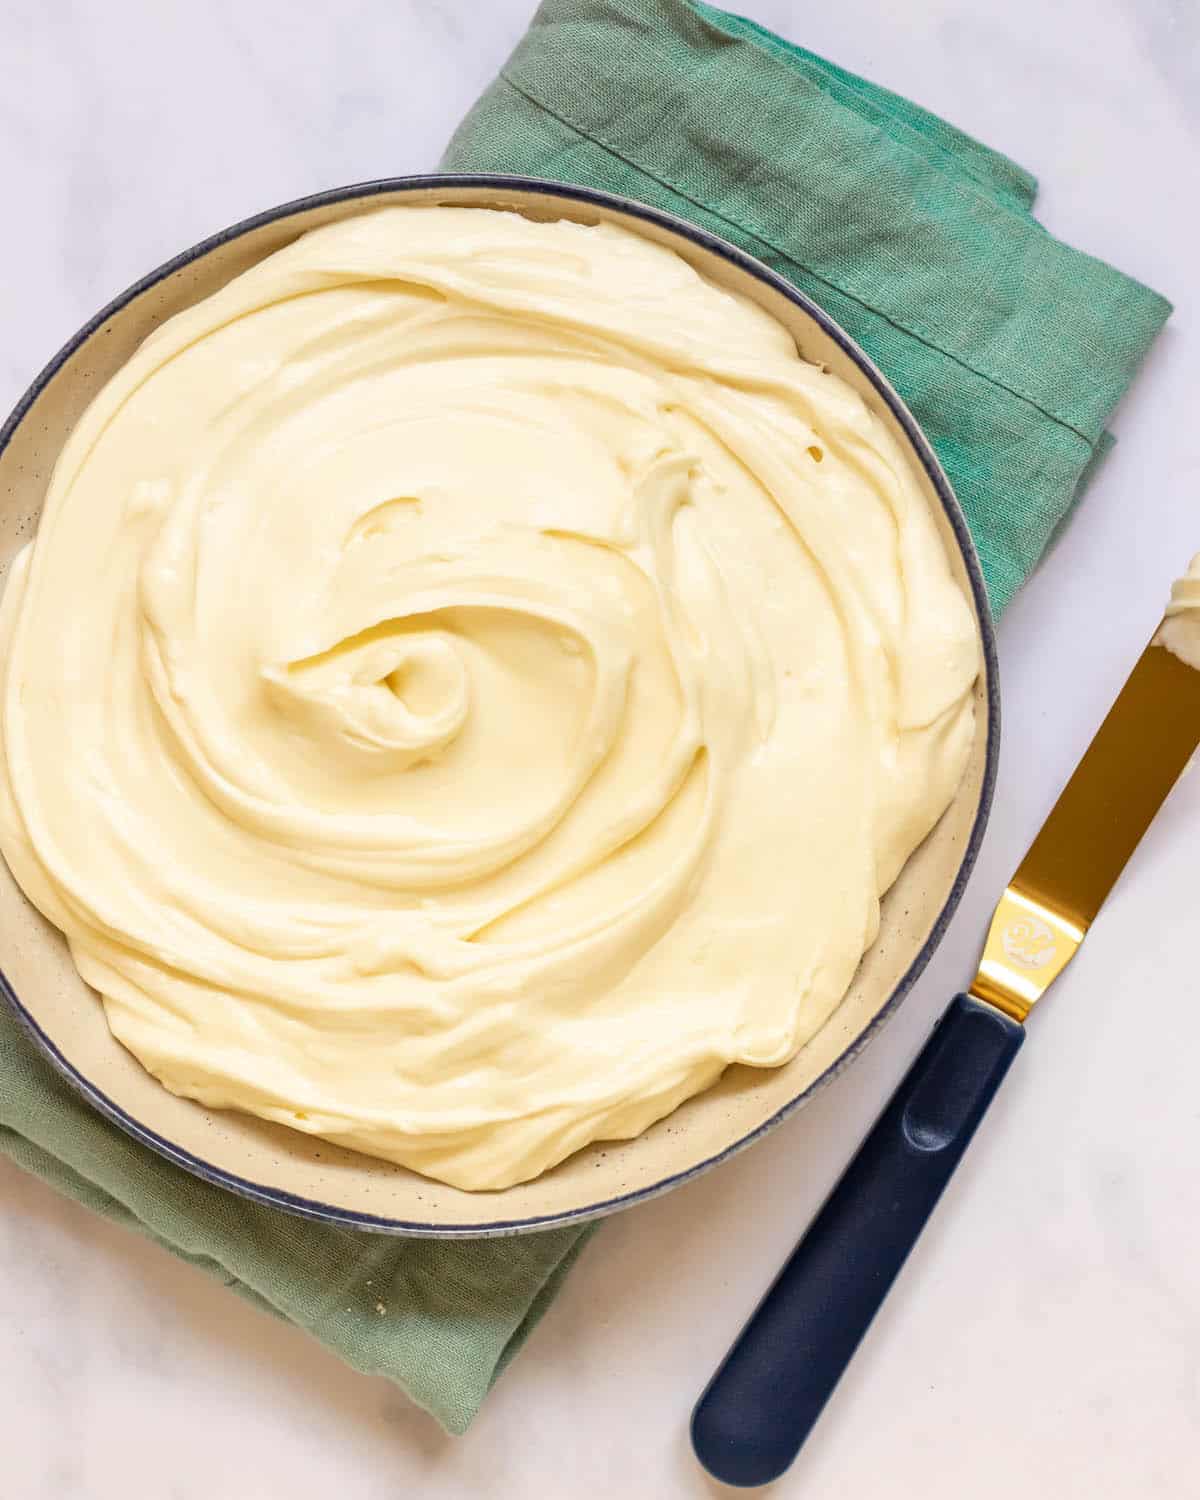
(1011, 349)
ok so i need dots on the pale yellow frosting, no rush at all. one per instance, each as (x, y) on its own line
(472, 682)
(1180, 632)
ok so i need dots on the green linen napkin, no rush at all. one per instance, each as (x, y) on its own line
(1012, 350)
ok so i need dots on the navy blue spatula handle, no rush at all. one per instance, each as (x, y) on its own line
(769, 1391)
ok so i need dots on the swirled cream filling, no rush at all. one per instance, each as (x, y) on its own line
(472, 682)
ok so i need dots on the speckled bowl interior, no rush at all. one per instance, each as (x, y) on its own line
(308, 1176)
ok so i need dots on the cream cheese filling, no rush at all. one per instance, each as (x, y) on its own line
(473, 682)
(1180, 630)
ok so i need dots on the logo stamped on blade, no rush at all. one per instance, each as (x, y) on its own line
(1029, 941)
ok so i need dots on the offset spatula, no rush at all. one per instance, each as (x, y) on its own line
(769, 1391)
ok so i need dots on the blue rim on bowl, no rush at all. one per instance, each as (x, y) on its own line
(363, 194)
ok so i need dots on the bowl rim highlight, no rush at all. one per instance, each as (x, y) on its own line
(362, 195)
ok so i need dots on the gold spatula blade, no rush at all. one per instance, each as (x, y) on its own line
(773, 1384)
(1137, 756)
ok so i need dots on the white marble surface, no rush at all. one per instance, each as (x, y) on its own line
(1045, 1339)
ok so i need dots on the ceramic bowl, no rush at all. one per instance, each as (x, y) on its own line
(296, 1172)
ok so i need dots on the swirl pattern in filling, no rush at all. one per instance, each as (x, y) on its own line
(472, 683)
